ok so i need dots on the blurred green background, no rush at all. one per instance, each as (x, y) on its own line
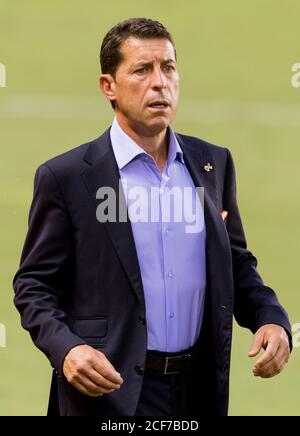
(235, 61)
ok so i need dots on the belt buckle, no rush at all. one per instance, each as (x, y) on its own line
(166, 366)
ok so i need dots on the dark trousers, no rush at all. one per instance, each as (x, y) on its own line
(166, 395)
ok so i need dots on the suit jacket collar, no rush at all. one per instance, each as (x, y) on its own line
(104, 172)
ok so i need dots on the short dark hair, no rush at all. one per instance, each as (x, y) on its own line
(144, 28)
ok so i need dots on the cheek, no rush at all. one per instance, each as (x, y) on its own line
(176, 85)
(175, 91)
(131, 102)
(174, 88)
(133, 95)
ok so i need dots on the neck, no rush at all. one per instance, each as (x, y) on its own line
(155, 144)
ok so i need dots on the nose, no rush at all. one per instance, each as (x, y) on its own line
(158, 79)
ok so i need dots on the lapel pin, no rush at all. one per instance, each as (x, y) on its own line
(208, 167)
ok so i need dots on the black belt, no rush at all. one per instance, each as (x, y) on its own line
(169, 363)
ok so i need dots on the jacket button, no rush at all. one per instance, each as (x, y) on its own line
(142, 320)
(139, 370)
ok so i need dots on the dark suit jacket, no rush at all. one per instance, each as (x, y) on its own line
(79, 280)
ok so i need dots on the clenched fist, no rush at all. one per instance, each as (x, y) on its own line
(89, 371)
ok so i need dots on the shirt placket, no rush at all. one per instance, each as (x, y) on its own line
(168, 256)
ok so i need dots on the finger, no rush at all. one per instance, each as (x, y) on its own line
(268, 356)
(81, 388)
(275, 346)
(256, 345)
(274, 366)
(271, 370)
(274, 371)
(101, 381)
(106, 370)
(90, 388)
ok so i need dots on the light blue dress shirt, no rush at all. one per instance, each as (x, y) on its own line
(171, 258)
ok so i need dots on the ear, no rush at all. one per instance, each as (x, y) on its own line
(107, 86)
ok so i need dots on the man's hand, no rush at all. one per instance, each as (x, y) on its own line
(89, 371)
(273, 338)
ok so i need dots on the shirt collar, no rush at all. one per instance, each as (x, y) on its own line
(126, 149)
(175, 152)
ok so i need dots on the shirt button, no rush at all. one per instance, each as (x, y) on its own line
(172, 315)
(139, 370)
(170, 273)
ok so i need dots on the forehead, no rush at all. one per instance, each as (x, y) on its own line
(136, 49)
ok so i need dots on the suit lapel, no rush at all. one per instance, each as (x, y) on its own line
(195, 160)
(104, 172)
(217, 242)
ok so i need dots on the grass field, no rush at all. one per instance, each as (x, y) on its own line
(235, 63)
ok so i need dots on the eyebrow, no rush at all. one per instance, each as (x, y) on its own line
(147, 63)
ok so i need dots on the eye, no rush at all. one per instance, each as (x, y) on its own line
(169, 67)
(141, 70)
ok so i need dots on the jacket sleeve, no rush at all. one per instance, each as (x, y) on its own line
(42, 279)
(255, 304)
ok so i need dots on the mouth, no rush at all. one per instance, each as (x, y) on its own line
(159, 104)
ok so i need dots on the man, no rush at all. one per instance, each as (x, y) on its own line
(136, 315)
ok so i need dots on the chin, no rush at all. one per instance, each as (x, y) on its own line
(158, 124)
